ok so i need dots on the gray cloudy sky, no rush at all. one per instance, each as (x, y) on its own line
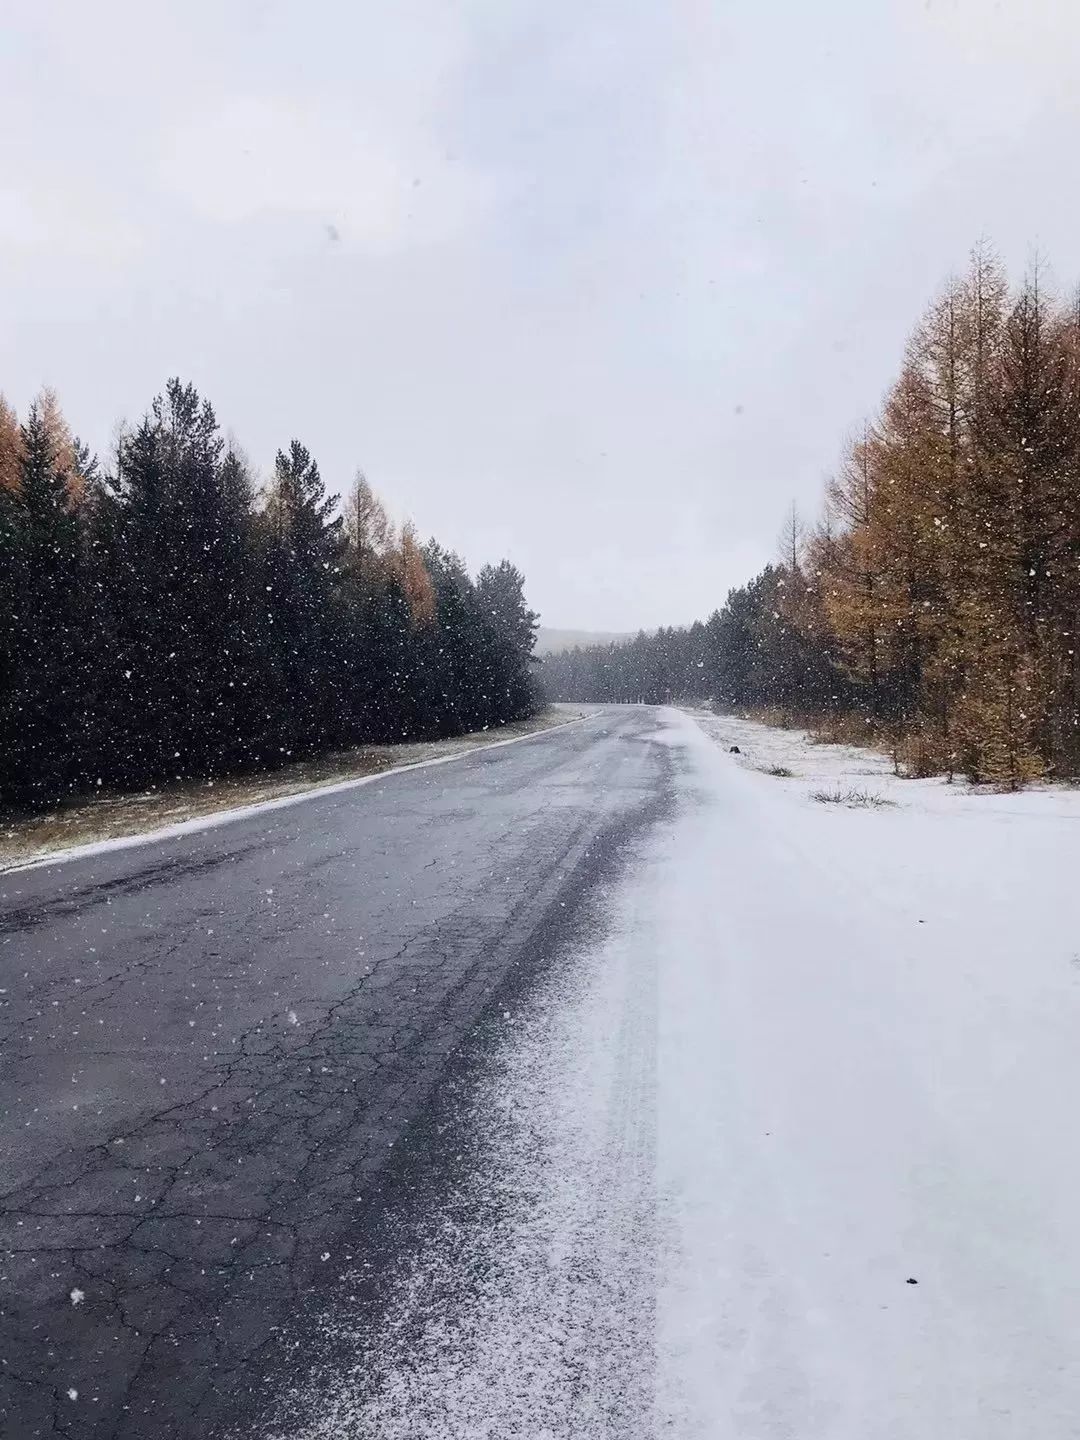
(596, 284)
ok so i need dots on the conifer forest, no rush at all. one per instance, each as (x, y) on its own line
(164, 617)
(935, 603)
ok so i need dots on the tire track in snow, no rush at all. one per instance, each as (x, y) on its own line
(528, 1306)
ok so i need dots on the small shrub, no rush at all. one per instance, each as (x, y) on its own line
(848, 729)
(919, 757)
(771, 715)
(853, 799)
(781, 772)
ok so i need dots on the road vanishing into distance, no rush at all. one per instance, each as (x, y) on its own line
(601, 1085)
(223, 1057)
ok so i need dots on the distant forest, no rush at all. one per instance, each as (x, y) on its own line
(935, 605)
(164, 617)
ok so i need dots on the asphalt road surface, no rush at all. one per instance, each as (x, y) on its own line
(217, 1054)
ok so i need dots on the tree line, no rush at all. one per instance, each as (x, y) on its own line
(166, 618)
(747, 655)
(936, 603)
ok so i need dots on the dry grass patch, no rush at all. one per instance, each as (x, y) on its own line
(853, 799)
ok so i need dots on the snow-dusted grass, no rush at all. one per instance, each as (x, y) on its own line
(853, 798)
(792, 1151)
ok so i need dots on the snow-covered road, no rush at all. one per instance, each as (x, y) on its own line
(790, 1150)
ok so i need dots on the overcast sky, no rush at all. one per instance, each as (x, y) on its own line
(599, 285)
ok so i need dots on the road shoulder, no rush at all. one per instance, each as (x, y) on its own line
(118, 822)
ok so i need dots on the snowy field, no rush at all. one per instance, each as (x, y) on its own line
(791, 1152)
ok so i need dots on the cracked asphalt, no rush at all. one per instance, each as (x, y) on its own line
(213, 1048)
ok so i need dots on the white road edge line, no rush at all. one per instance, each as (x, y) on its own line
(279, 802)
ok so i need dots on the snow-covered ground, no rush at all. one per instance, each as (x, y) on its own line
(791, 1152)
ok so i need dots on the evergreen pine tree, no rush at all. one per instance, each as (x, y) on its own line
(40, 543)
(304, 605)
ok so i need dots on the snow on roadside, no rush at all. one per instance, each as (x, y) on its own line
(817, 766)
(791, 1152)
(877, 1013)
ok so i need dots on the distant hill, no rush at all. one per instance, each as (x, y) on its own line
(550, 642)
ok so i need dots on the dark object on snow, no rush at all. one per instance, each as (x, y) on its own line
(911, 1280)
(734, 750)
